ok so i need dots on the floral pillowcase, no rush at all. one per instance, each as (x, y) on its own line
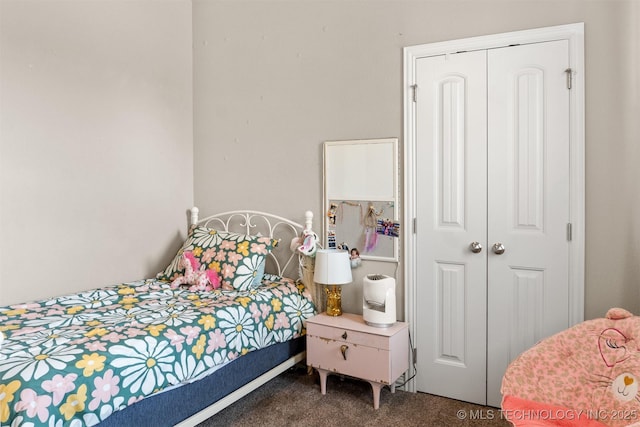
(239, 259)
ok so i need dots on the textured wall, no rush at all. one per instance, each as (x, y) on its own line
(96, 143)
(274, 79)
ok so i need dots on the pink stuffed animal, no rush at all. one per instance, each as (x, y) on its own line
(200, 279)
(306, 244)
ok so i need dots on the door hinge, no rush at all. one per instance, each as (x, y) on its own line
(414, 96)
(569, 72)
(415, 225)
(569, 233)
(415, 355)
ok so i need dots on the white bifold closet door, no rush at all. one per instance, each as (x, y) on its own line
(492, 207)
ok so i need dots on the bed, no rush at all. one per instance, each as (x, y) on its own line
(586, 375)
(151, 352)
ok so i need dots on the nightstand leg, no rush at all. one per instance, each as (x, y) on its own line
(376, 387)
(323, 380)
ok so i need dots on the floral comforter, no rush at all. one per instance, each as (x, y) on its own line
(74, 360)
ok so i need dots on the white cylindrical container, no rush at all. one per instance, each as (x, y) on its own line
(379, 300)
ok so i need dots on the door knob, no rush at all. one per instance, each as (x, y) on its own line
(498, 248)
(475, 247)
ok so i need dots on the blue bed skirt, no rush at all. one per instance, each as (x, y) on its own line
(174, 406)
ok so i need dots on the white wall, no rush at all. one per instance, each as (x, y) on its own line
(274, 79)
(96, 142)
(97, 139)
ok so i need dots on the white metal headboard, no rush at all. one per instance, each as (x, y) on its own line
(281, 259)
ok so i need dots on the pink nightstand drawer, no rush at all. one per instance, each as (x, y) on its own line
(367, 363)
(347, 335)
(352, 328)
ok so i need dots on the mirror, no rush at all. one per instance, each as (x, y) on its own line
(360, 202)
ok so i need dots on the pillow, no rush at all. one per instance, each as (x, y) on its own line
(239, 259)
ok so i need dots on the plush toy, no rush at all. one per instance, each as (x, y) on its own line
(199, 279)
(307, 244)
(587, 374)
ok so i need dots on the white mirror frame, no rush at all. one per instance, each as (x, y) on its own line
(364, 170)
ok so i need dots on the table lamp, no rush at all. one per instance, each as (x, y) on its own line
(333, 268)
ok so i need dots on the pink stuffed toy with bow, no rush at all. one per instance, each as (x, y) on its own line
(199, 279)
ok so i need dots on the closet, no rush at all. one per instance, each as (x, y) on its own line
(491, 256)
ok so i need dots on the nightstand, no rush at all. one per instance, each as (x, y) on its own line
(347, 345)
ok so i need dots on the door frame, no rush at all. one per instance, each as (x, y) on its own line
(574, 34)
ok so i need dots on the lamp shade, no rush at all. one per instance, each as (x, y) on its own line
(333, 267)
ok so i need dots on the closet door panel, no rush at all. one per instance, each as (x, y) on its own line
(528, 201)
(451, 205)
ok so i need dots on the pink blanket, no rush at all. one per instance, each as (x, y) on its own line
(529, 413)
(589, 371)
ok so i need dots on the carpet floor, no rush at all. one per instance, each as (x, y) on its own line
(294, 399)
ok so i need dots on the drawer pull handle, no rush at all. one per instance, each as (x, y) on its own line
(344, 336)
(343, 349)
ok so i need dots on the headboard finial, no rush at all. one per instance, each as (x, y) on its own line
(308, 220)
(194, 215)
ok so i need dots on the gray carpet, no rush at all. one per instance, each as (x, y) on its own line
(294, 399)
